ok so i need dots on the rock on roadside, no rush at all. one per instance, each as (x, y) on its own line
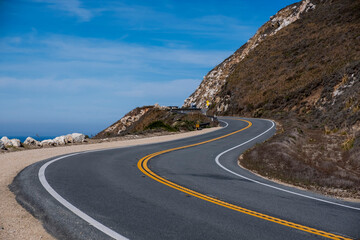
(47, 142)
(15, 142)
(11, 143)
(31, 141)
(6, 141)
(78, 137)
(69, 138)
(61, 140)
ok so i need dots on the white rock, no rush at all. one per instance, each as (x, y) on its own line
(31, 141)
(6, 141)
(2, 145)
(16, 142)
(122, 129)
(78, 137)
(47, 142)
(69, 138)
(61, 140)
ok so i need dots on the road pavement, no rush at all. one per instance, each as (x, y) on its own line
(185, 189)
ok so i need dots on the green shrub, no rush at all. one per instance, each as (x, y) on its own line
(160, 125)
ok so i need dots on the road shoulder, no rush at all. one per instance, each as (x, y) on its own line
(15, 221)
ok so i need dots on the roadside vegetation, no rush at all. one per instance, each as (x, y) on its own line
(162, 120)
(156, 120)
(310, 158)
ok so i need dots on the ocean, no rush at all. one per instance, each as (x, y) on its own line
(38, 138)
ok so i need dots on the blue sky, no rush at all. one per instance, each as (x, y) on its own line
(78, 66)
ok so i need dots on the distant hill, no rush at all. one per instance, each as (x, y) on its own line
(302, 68)
(306, 57)
(150, 119)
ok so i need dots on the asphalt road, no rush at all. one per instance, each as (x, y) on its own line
(186, 193)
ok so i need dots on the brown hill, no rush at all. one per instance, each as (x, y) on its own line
(301, 68)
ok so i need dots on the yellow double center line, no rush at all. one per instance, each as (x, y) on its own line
(142, 165)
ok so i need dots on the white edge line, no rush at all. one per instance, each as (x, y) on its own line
(268, 185)
(71, 207)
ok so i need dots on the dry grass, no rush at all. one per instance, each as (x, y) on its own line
(310, 159)
(288, 67)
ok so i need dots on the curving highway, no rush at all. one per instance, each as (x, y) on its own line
(185, 189)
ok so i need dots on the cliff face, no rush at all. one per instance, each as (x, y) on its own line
(216, 78)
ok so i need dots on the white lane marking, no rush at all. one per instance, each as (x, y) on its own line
(224, 122)
(71, 207)
(268, 185)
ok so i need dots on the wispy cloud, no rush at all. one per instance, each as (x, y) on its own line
(60, 55)
(146, 18)
(103, 50)
(72, 7)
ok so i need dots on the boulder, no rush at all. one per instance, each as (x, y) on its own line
(61, 140)
(47, 142)
(15, 142)
(78, 137)
(6, 141)
(31, 141)
(69, 139)
(2, 145)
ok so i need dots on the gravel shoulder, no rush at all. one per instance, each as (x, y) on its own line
(15, 221)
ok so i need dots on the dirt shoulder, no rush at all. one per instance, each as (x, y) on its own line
(15, 221)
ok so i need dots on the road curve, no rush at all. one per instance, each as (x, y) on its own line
(185, 189)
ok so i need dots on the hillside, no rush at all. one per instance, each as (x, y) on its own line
(302, 68)
(150, 119)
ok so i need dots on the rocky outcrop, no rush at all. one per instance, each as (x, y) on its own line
(125, 122)
(6, 141)
(65, 139)
(47, 142)
(151, 119)
(69, 138)
(61, 140)
(78, 137)
(10, 142)
(216, 78)
(31, 141)
(15, 142)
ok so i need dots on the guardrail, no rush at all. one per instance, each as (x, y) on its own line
(185, 110)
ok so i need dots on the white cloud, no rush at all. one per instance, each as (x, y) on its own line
(110, 51)
(72, 7)
(62, 55)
